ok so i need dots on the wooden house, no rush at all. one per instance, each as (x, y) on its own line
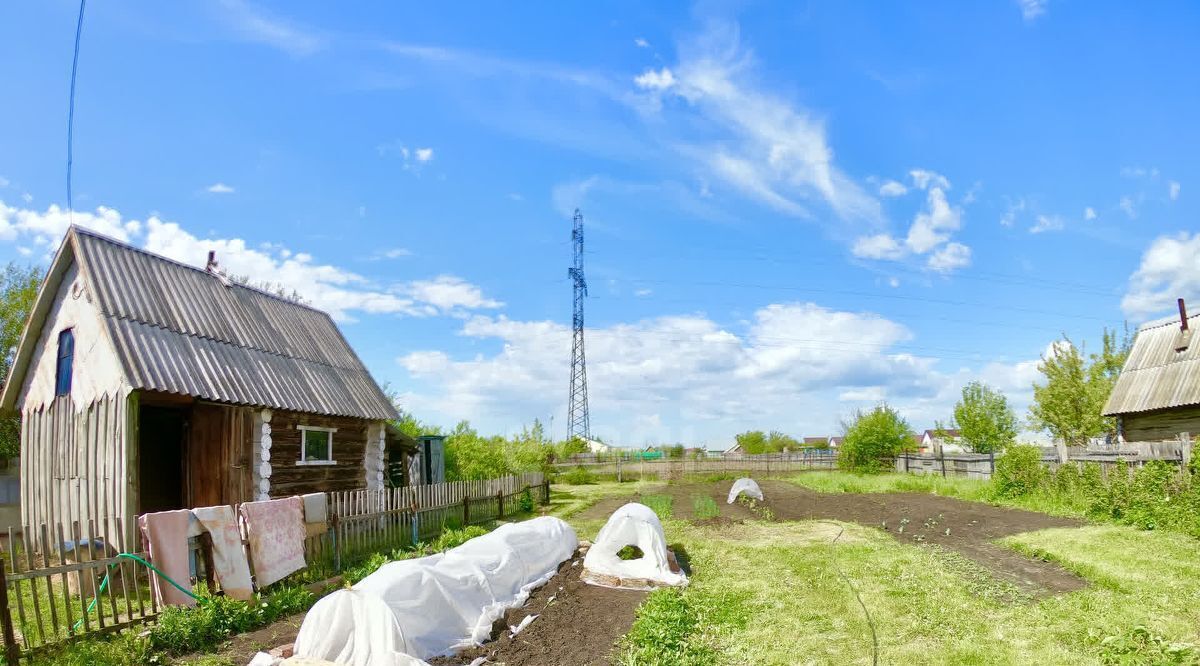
(1157, 395)
(145, 384)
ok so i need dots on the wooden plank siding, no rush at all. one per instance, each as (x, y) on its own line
(349, 451)
(1160, 425)
(74, 463)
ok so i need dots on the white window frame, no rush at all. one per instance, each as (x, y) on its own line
(328, 460)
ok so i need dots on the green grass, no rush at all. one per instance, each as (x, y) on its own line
(704, 506)
(660, 504)
(768, 593)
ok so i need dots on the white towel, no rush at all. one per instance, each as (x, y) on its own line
(275, 530)
(315, 508)
(229, 556)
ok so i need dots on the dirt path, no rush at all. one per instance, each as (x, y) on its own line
(966, 527)
(577, 625)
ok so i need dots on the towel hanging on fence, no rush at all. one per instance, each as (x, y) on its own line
(166, 536)
(315, 508)
(229, 556)
(275, 530)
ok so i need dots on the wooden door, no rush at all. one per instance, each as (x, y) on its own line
(218, 468)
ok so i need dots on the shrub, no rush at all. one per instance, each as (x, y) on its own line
(1141, 646)
(1019, 471)
(526, 501)
(579, 476)
(872, 437)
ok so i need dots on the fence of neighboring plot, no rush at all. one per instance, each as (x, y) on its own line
(983, 465)
(52, 586)
(671, 468)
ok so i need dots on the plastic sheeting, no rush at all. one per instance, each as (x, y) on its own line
(632, 525)
(745, 487)
(411, 610)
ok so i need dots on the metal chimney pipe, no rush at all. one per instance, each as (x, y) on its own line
(212, 261)
(1183, 325)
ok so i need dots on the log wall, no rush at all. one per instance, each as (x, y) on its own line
(349, 451)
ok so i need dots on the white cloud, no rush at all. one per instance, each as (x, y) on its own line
(933, 226)
(27, 197)
(641, 43)
(4, 182)
(47, 227)
(655, 80)
(1170, 269)
(1173, 189)
(220, 188)
(1089, 213)
(893, 282)
(1139, 172)
(1031, 9)
(327, 287)
(949, 258)
(1015, 208)
(1126, 204)
(392, 253)
(255, 25)
(923, 179)
(750, 137)
(448, 294)
(878, 246)
(411, 158)
(514, 196)
(642, 293)
(892, 188)
(1047, 223)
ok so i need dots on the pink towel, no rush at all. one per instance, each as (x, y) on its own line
(229, 556)
(275, 530)
(166, 536)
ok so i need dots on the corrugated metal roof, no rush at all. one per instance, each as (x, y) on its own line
(179, 329)
(1156, 376)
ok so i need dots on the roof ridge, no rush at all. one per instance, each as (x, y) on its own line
(154, 255)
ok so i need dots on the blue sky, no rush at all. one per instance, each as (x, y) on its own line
(793, 209)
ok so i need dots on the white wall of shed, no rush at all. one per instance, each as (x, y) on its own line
(96, 372)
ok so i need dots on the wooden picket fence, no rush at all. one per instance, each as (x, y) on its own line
(50, 593)
(670, 468)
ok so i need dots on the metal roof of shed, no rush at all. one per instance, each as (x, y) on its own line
(180, 329)
(1156, 376)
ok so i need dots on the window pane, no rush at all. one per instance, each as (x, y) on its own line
(66, 357)
(316, 445)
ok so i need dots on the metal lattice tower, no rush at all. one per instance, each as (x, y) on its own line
(578, 421)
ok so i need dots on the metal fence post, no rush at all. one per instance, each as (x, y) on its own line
(942, 455)
(500, 503)
(466, 508)
(337, 543)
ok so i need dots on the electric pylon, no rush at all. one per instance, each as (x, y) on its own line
(578, 421)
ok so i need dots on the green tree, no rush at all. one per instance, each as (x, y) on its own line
(18, 289)
(752, 441)
(987, 423)
(1069, 402)
(871, 437)
(777, 441)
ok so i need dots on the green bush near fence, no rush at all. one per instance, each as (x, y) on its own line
(580, 476)
(1019, 471)
(1156, 496)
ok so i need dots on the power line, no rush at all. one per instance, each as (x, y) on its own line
(71, 111)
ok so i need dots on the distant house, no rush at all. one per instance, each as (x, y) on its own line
(835, 442)
(816, 442)
(946, 440)
(597, 446)
(1157, 395)
(736, 449)
(145, 384)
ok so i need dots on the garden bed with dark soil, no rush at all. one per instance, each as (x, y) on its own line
(968, 528)
(577, 624)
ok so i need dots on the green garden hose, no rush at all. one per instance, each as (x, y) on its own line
(135, 558)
